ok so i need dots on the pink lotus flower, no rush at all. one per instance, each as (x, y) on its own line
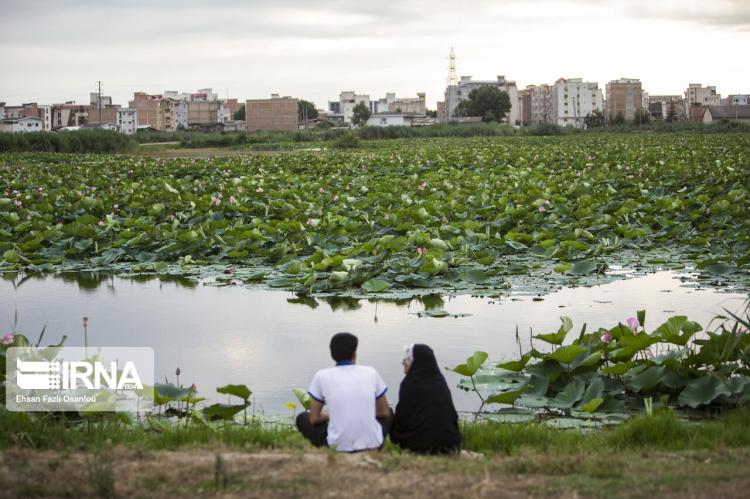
(216, 202)
(232, 200)
(633, 324)
(421, 250)
(336, 197)
(607, 338)
(422, 186)
(541, 209)
(741, 331)
(321, 190)
(17, 202)
(7, 339)
(259, 189)
(309, 221)
(101, 223)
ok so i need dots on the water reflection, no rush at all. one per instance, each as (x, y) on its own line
(274, 341)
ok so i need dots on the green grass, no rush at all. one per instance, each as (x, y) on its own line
(661, 432)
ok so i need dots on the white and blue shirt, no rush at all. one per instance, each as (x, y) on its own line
(350, 392)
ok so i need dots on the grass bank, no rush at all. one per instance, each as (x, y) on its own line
(642, 458)
(661, 432)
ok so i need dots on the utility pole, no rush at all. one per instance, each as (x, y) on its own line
(99, 103)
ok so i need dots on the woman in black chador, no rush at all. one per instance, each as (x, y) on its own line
(425, 420)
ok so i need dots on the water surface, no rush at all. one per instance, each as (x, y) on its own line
(220, 335)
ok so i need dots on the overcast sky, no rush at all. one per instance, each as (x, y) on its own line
(56, 50)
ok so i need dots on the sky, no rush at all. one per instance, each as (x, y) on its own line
(56, 50)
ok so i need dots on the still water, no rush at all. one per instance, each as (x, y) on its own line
(220, 335)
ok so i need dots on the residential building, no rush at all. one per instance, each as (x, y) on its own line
(713, 114)
(441, 109)
(624, 97)
(392, 104)
(348, 100)
(94, 100)
(147, 106)
(23, 124)
(666, 107)
(393, 119)
(202, 113)
(45, 112)
(69, 114)
(524, 105)
(737, 100)
(572, 100)
(30, 109)
(127, 120)
(276, 113)
(455, 94)
(697, 97)
(227, 108)
(166, 116)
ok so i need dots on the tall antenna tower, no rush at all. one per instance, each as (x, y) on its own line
(452, 75)
(452, 81)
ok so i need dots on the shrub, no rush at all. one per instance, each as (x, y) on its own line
(346, 141)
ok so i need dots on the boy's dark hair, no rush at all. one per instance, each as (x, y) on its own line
(343, 346)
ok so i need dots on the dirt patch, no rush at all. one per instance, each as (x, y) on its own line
(124, 472)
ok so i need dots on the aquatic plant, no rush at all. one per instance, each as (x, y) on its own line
(618, 371)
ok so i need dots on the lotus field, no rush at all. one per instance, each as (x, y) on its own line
(452, 215)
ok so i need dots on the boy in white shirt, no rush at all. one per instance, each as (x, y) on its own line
(358, 416)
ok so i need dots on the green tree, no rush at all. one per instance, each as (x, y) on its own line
(240, 113)
(306, 109)
(488, 102)
(619, 119)
(360, 114)
(594, 119)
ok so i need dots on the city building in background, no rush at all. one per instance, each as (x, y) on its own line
(127, 120)
(573, 100)
(624, 98)
(25, 124)
(455, 94)
(276, 113)
(713, 114)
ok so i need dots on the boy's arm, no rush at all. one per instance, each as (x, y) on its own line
(381, 407)
(317, 415)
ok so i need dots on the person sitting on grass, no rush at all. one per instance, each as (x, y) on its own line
(358, 416)
(425, 421)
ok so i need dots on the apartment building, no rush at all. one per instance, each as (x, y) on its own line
(24, 124)
(203, 113)
(127, 120)
(348, 100)
(147, 107)
(30, 109)
(392, 104)
(102, 110)
(69, 114)
(455, 94)
(276, 113)
(624, 98)
(737, 100)
(572, 100)
(666, 107)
